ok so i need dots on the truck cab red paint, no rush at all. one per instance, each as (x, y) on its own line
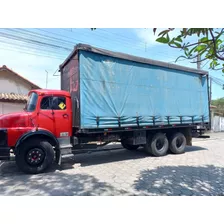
(57, 121)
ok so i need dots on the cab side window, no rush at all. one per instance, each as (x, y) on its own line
(46, 103)
(53, 103)
(58, 103)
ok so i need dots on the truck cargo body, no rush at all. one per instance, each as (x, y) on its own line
(114, 90)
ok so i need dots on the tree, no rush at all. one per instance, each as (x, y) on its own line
(219, 103)
(208, 47)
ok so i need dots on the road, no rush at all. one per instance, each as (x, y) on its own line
(199, 171)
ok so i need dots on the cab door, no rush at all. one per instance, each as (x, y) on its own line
(62, 114)
(55, 115)
(45, 115)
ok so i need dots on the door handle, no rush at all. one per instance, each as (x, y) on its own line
(65, 115)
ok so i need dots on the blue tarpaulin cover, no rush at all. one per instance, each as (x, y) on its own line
(114, 90)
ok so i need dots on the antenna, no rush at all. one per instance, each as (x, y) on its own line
(46, 78)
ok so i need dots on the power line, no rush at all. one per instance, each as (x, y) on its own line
(122, 36)
(29, 47)
(96, 33)
(40, 46)
(123, 43)
(31, 41)
(29, 37)
(14, 37)
(35, 34)
(35, 54)
(19, 42)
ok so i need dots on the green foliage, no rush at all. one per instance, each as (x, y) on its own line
(219, 103)
(210, 44)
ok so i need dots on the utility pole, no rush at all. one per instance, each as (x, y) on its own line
(46, 78)
(199, 61)
(210, 89)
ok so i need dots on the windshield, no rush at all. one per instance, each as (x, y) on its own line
(31, 103)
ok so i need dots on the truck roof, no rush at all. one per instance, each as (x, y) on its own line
(50, 91)
(129, 57)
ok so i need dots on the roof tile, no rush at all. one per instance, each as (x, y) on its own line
(13, 97)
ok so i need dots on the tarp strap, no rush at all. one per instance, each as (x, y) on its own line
(181, 119)
(168, 119)
(137, 120)
(97, 121)
(119, 121)
(153, 120)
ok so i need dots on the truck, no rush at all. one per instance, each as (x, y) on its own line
(108, 97)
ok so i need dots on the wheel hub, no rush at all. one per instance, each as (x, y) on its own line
(179, 142)
(159, 144)
(35, 156)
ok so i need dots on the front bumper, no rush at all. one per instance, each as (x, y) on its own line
(4, 148)
(4, 153)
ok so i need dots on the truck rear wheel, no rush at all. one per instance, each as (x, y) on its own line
(157, 145)
(178, 143)
(128, 146)
(34, 156)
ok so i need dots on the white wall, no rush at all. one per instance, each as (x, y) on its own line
(218, 124)
(10, 107)
(9, 83)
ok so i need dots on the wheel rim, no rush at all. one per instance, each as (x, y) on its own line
(35, 156)
(159, 144)
(179, 142)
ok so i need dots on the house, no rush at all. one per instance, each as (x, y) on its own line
(13, 90)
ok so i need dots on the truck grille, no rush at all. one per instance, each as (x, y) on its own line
(3, 137)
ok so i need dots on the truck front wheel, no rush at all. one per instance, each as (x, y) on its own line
(34, 156)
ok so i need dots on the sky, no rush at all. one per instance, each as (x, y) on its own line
(34, 53)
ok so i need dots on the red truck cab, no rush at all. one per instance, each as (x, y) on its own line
(45, 123)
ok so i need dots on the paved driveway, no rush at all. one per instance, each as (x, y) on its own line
(200, 171)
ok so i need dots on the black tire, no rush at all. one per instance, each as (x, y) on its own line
(177, 143)
(157, 145)
(128, 146)
(34, 156)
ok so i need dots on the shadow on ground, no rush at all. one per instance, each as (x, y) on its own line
(119, 155)
(194, 148)
(97, 158)
(109, 156)
(167, 180)
(56, 184)
(181, 180)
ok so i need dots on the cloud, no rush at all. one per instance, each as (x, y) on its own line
(146, 36)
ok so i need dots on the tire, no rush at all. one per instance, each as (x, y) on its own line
(157, 145)
(34, 156)
(177, 143)
(128, 146)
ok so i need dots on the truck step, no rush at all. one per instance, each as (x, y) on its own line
(68, 156)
